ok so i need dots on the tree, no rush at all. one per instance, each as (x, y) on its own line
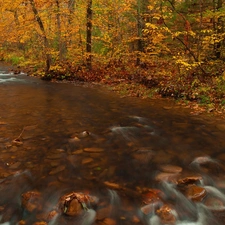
(89, 35)
(219, 30)
(46, 42)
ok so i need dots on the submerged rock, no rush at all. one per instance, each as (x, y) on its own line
(214, 204)
(195, 193)
(112, 185)
(152, 196)
(40, 223)
(171, 169)
(84, 134)
(17, 142)
(55, 156)
(31, 201)
(170, 177)
(57, 170)
(86, 161)
(207, 164)
(94, 150)
(152, 201)
(107, 221)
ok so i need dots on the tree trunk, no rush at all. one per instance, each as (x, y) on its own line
(139, 32)
(71, 7)
(219, 31)
(46, 42)
(89, 35)
(59, 38)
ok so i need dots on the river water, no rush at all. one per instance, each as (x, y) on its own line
(57, 138)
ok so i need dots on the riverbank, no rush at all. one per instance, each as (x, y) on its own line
(160, 79)
(156, 80)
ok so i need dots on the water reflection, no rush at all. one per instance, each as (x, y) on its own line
(85, 139)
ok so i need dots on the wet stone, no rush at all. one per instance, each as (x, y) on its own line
(31, 201)
(112, 185)
(167, 107)
(220, 127)
(74, 208)
(220, 182)
(96, 155)
(171, 169)
(15, 165)
(77, 152)
(152, 196)
(84, 134)
(189, 180)
(17, 142)
(103, 212)
(74, 204)
(147, 209)
(107, 221)
(57, 170)
(40, 223)
(167, 214)
(54, 163)
(74, 139)
(135, 219)
(52, 215)
(214, 204)
(195, 193)
(170, 177)
(94, 150)
(55, 156)
(86, 161)
(100, 140)
(60, 150)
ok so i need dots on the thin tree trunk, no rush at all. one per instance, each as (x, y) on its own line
(219, 30)
(71, 7)
(199, 39)
(89, 35)
(139, 31)
(59, 38)
(46, 42)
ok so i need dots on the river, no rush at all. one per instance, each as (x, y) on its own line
(60, 138)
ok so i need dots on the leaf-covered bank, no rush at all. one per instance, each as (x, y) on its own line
(160, 79)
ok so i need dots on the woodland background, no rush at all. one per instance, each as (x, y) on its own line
(143, 47)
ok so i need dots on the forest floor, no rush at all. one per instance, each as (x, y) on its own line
(158, 79)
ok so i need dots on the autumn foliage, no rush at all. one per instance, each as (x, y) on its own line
(173, 47)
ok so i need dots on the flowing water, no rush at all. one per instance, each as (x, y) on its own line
(58, 138)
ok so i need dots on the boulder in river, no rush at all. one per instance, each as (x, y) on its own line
(74, 204)
(167, 214)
